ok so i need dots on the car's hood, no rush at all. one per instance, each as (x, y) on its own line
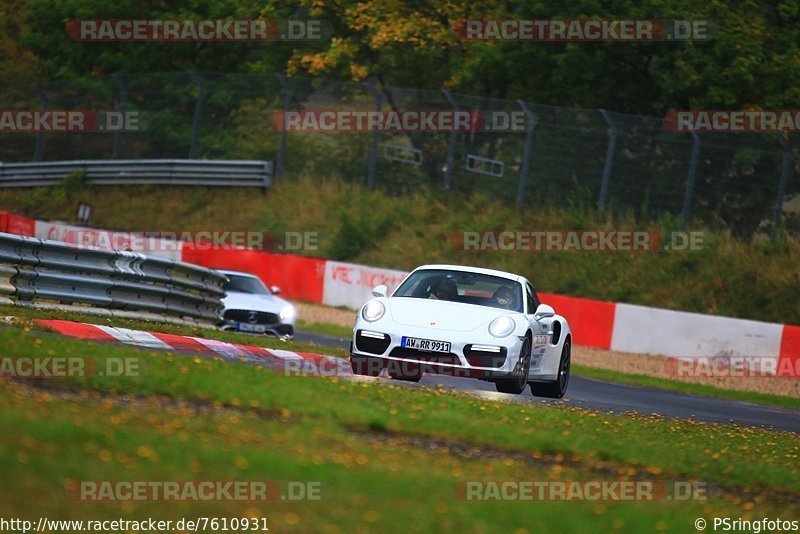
(235, 300)
(439, 314)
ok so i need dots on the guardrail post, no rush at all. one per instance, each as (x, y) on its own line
(123, 98)
(287, 101)
(687, 195)
(37, 151)
(373, 149)
(451, 144)
(198, 113)
(612, 144)
(526, 155)
(786, 171)
(267, 174)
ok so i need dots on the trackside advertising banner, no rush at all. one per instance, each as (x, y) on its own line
(108, 239)
(594, 323)
(349, 284)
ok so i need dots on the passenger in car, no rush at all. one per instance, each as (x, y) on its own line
(446, 290)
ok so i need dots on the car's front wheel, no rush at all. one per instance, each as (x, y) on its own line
(365, 365)
(557, 388)
(517, 384)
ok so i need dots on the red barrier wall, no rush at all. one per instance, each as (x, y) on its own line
(21, 225)
(591, 321)
(299, 277)
(790, 350)
(14, 224)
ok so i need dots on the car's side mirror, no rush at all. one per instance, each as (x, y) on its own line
(544, 311)
(380, 291)
(275, 290)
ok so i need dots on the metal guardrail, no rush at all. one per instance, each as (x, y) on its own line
(239, 173)
(37, 270)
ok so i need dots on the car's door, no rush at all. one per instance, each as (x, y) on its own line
(539, 328)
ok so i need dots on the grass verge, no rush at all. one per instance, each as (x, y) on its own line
(387, 458)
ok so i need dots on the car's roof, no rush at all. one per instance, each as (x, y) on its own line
(237, 273)
(477, 270)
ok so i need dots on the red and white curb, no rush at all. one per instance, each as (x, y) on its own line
(291, 362)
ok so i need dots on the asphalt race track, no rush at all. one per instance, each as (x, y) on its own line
(612, 396)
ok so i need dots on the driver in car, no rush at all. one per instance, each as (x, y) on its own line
(446, 290)
(504, 296)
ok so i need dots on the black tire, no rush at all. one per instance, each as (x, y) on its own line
(516, 385)
(366, 366)
(556, 389)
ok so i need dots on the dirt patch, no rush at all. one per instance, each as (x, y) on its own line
(315, 313)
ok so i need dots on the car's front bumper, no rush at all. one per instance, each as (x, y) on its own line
(467, 357)
(276, 329)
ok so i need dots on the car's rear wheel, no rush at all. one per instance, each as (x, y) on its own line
(366, 365)
(557, 388)
(516, 385)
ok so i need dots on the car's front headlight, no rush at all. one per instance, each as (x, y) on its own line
(288, 313)
(502, 326)
(373, 310)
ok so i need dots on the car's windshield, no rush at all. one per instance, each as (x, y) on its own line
(245, 284)
(465, 287)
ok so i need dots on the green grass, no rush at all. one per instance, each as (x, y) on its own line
(637, 440)
(686, 387)
(327, 329)
(387, 457)
(368, 444)
(750, 280)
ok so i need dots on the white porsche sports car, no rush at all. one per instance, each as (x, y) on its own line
(464, 321)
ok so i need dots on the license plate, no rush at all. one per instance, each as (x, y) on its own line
(244, 327)
(428, 345)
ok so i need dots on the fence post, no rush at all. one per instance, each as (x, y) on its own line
(687, 194)
(123, 98)
(526, 155)
(287, 101)
(373, 149)
(786, 171)
(198, 113)
(37, 150)
(612, 144)
(451, 144)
